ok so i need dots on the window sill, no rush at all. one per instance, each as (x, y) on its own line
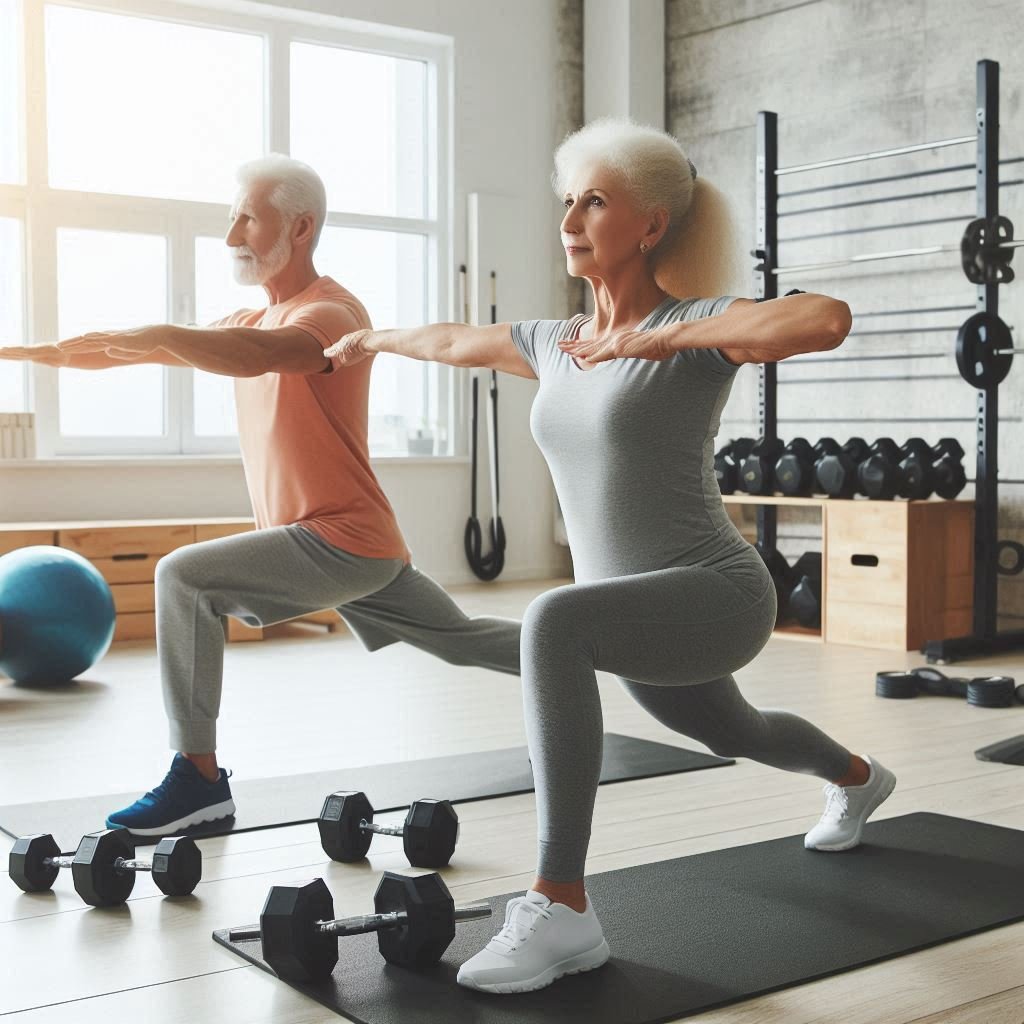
(192, 461)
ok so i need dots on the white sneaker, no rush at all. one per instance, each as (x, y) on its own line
(847, 808)
(539, 942)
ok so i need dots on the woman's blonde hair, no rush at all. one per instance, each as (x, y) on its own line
(697, 256)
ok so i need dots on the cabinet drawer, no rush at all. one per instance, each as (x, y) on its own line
(11, 540)
(214, 531)
(135, 626)
(119, 541)
(128, 568)
(866, 570)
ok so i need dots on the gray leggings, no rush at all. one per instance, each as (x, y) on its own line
(271, 575)
(672, 637)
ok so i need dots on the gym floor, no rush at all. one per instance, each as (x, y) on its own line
(309, 701)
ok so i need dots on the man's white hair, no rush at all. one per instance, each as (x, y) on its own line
(298, 189)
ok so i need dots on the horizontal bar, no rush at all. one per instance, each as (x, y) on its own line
(891, 177)
(800, 360)
(884, 419)
(902, 378)
(869, 228)
(928, 250)
(875, 200)
(880, 154)
(913, 312)
(907, 330)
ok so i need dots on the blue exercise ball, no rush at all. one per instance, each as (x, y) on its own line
(56, 615)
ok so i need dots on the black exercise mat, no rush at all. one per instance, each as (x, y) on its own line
(704, 931)
(296, 799)
(1009, 751)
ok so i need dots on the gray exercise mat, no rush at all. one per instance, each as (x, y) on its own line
(716, 928)
(296, 799)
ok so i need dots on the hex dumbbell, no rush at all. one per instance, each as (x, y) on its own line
(104, 866)
(947, 467)
(916, 470)
(878, 476)
(795, 471)
(728, 460)
(757, 472)
(836, 472)
(982, 692)
(415, 923)
(782, 577)
(429, 834)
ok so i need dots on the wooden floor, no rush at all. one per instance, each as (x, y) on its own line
(309, 702)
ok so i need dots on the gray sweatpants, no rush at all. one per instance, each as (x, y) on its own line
(275, 574)
(673, 637)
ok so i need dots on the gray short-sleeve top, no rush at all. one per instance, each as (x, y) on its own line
(630, 444)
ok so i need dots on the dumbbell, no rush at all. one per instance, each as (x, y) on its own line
(429, 834)
(757, 471)
(103, 867)
(916, 470)
(795, 470)
(415, 923)
(782, 576)
(981, 692)
(805, 598)
(947, 466)
(836, 472)
(878, 476)
(728, 461)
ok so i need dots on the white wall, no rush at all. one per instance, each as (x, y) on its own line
(504, 129)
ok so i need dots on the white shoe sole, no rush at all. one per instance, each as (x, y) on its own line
(578, 964)
(879, 798)
(212, 813)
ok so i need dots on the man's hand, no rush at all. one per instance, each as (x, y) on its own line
(623, 344)
(119, 346)
(351, 349)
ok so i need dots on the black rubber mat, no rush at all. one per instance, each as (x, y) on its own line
(1009, 751)
(690, 934)
(294, 799)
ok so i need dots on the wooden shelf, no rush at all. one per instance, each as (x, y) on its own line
(791, 631)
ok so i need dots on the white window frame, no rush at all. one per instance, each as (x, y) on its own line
(42, 209)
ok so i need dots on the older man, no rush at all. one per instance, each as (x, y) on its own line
(327, 535)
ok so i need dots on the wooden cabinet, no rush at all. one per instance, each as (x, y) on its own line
(126, 553)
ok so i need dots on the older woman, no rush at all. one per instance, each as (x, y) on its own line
(668, 596)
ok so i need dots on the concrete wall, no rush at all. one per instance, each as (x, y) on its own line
(517, 90)
(845, 77)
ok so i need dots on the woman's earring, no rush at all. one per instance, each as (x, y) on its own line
(644, 247)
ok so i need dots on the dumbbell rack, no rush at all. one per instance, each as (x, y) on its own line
(984, 636)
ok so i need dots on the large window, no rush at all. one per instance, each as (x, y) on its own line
(120, 132)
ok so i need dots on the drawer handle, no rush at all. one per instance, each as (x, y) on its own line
(130, 558)
(869, 560)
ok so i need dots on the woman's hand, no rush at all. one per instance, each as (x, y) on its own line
(621, 344)
(351, 349)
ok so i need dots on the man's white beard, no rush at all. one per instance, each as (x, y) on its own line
(253, 270)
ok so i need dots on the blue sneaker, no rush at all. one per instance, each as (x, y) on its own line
(183, 799)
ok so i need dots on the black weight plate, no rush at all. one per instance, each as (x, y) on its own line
(977, 344)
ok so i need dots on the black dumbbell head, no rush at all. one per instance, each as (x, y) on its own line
(177, 865)
(94, 868)
(836, 472)
(916, 474)
(950, 476)
(897, 685)
(727, 463)
(804, 602)
(430, 927)
(293, 946)
(794, 470)
(340, 834)
(430, 833)
(25, 863)
(991, 692)
(757, 473)
(878, 475)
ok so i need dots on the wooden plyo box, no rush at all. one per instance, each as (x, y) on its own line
(126, 553)
(898, 573)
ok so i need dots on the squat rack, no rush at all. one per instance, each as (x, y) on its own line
(985, 638)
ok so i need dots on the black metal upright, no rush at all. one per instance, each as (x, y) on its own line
(986, 487)
(766, 286)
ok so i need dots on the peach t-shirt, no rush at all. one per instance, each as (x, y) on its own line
(303, 437)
